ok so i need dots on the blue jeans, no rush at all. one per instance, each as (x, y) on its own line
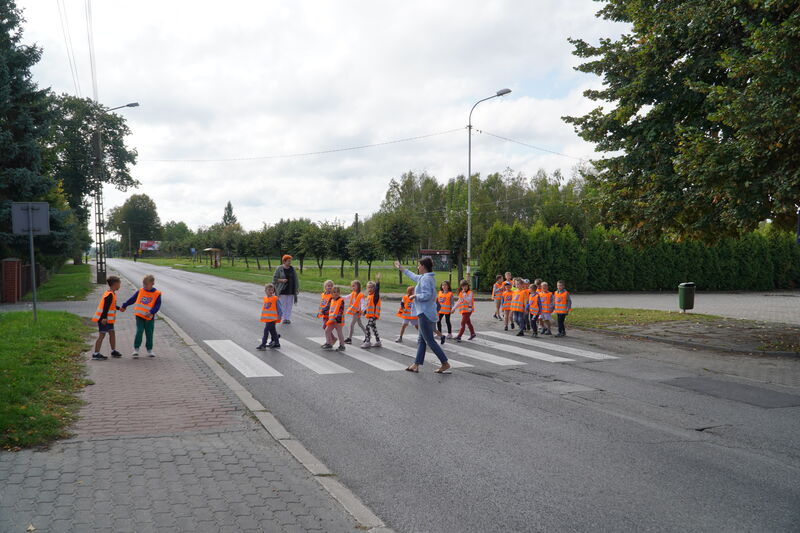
(426, 338)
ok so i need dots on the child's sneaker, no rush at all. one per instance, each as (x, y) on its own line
(326, 346)
(366, 345)
(472, 337)
(150, 353)
(548, 332)
(458, 339)
(97, 356)
(558, 335)
(449, 335)
(521, 333)
(376, 344)
(115, 353)
(512, 325)
(348, 340)
(275, 345)
(135, 353)
(505, 328)
(340, 348)
(287, 322)
(441, 339)
(399, 339)
(262, 347)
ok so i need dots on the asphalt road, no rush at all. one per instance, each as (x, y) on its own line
(612, 435)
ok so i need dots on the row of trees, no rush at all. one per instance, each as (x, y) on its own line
(49, 151)
(764, 259)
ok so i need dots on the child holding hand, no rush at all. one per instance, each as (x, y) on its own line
(406, 313)
(105, 316)
(335, 320)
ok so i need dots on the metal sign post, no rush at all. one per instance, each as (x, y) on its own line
(32, 218)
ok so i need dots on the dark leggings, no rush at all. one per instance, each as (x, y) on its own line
(269, 329)
(447, 321)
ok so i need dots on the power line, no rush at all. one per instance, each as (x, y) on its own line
(306, 154)
(73, 66)
(532, 146)
(90, 37)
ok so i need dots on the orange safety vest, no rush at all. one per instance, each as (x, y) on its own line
(269, 311)
(535, 304)
(547, 301)
(323, 303)
(355, 303)
(445, 302)
(145, 302)
(508, 296)
(373, 307)
(517, 304)
(466, 302)
(336, 314)
(497, 291)
(561, 302)
(405, 309)
(111, 316)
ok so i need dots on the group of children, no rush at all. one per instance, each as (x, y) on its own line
(146, 302)
(530, 306)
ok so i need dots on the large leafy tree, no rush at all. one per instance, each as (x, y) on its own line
(397, 235)
(701, 126)
(139, 215)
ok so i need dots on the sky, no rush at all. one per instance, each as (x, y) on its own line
(247, 80)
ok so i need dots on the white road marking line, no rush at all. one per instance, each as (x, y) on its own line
(310, 360)
(533, 354)
(555, 347)
(486, 357)
(412, 353)
(371, 359)
(248, 364)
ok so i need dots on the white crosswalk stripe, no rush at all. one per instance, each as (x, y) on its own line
(369, 358)
(551, 346)
(524, 352)
(245, 362)
(460, 349)
(412, 353)
(310, 360)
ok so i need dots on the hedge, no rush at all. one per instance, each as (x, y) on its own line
(761, 260)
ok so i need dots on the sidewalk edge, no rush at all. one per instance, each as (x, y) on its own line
(364, 517)
(686, 343)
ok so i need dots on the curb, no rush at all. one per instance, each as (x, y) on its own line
(363, 516)
(686, 343)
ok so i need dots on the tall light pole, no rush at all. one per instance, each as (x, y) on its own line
(501, 92)
(99, 215)
(130, 250)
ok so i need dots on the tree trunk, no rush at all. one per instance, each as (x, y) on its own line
(77, 259)
(301, 265)
(258, 263)
(369, 270)
(460, 266)
(246, 263)
(319, 265)
(269, 263)
(400, 274)
(341, 269)
(355, 265)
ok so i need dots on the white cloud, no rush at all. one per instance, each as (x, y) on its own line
(244, 79)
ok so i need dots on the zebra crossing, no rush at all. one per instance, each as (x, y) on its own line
(253, 365)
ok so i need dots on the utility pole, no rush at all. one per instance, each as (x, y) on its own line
(355, 231)
(99, 214)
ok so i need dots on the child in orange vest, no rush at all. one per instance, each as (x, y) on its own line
(521, 305)
(324, 301)
(563, 305)
(372, 312)
(335, 321)
(146, 303)
(405, 313)
(535, 307)
(105, 316)
(444, 302)
(508, 296)
(355, 302)
(497, 296)
(271, 314)
(546, 297)
(465, 304)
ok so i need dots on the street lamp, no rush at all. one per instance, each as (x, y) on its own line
(99, 216)
(501, 92)
(130, 250)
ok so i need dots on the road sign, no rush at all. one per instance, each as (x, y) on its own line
(31, 218)
(150, 245)
(442, 261)
(27, 216)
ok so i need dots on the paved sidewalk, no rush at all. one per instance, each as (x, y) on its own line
(162, 445)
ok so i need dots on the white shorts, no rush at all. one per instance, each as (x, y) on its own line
(545, 316)
(409, 322)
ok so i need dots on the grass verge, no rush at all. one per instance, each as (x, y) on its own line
(310, 280)
(41, 371)
(610, 317)
(72, 282)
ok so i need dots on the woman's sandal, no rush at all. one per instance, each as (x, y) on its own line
(415, 370)
(443, 369)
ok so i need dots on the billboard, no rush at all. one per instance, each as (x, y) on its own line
(150, 245)
(442, 259)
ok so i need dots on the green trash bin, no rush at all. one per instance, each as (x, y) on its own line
(474, 280)
(686, 295)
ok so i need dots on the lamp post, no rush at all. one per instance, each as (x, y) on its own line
(99, 216)
(130, 253)
(501, 92)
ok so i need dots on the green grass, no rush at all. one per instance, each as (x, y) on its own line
(610, 317)
(72, 282)
(310, 279)
(40, 373)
